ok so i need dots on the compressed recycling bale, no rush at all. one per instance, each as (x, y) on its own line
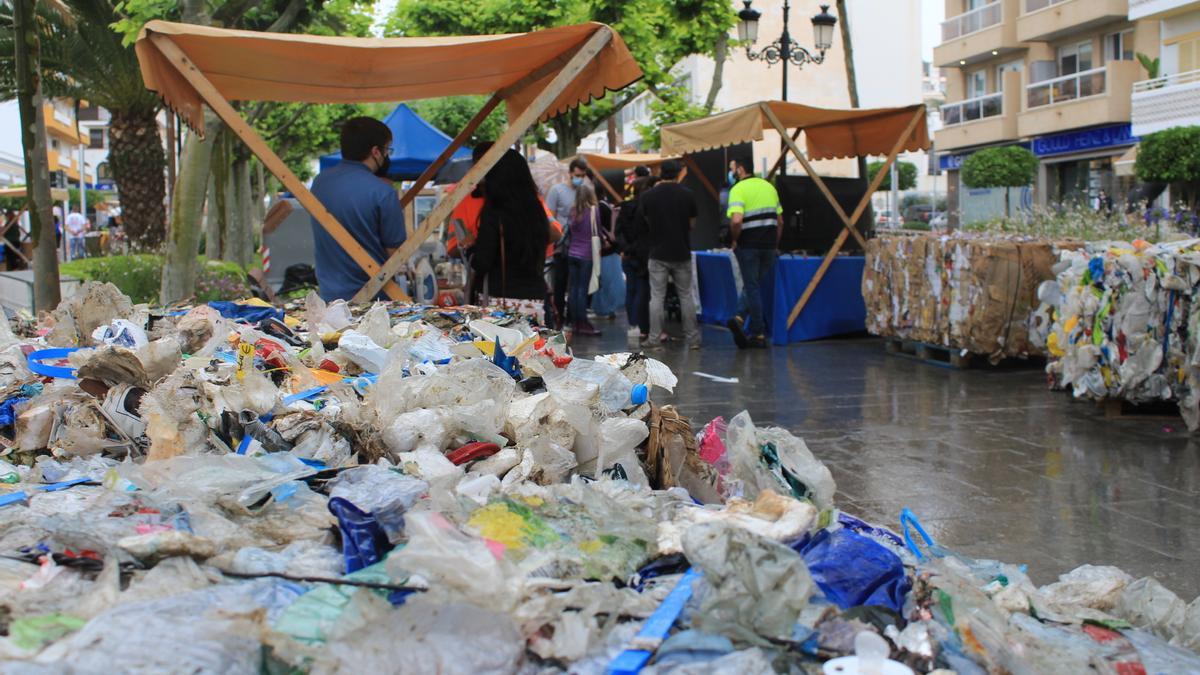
(964, 292)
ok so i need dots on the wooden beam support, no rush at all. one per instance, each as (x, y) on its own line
(708, 186)
(431, 171)
(608, 186)
(783, 156)
(812, 173)
(511, 135)
(862, 205)
(273, 163)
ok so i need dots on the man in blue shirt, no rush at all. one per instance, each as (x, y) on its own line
(356, 191)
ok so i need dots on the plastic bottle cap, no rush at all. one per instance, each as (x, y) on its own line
(639, 395)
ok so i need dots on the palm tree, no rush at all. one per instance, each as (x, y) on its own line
(85, 59)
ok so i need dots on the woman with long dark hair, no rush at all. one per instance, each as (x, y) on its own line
(510, 250)
(585, 220)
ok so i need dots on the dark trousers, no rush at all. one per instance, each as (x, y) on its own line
(578, 277)
(755, 264)
(558, 277)
(637, 295)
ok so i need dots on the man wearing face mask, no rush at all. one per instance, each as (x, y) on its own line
(756, 225)
(561, 199)
(359, 195)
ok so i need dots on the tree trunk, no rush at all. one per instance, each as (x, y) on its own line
(240, 235)
(212, 225)
(46, 292)
(851, 73)
(720, 52)
(187, 210)
(138, 166)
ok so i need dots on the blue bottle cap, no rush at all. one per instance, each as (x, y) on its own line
(639, 395)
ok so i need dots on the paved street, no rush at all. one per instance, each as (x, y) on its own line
(993, 463)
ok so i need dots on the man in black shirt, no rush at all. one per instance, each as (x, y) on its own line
(668, 213)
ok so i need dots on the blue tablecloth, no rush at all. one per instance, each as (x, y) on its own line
(836, 307)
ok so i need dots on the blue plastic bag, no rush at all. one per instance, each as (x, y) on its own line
(247, 313)
(364, 542)
(8, 413)
(854, 570)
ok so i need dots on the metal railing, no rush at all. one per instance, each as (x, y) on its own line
(1190, 77)
(972, 21)
(1035, 5)
(1066, 88)
(973, 109)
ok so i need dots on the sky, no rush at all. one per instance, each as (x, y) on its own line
(932, 13)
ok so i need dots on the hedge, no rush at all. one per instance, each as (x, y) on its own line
(140, 276)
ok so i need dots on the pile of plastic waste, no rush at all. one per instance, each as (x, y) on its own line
(235, 488)
(967, 291)
(1119, 322)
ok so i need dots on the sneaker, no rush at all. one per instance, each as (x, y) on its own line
(121, 405)
(739, 336)
(634, 334)
(587, 329)
(758, 342)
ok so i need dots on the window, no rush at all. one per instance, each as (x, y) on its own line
(1119, 46)
(976, 4)
(1010, 67)
(54, 144)
(1189, 55)
(977, 84)
(96, 138)
(1075, 58)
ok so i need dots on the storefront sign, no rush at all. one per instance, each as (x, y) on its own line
(1084, 141)
(952, 162)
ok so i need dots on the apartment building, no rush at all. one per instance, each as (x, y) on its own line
(1053, 75)
(1173, 98)
(63, 143)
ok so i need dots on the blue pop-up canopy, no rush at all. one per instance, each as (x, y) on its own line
(415, 144)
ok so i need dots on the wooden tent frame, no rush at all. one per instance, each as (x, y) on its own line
(567, 67)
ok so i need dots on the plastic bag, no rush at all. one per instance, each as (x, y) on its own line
(363, 351)
(1149, 605)
(752, 588)
(1092, 586)
(121, 333)
(853, 570)
(383, 493)
(619, 438)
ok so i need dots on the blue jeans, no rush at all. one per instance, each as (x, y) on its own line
(77, 248)
(755, 264)
(637, 296)
(579, 273)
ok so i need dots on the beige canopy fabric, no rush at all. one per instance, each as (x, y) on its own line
(57, 194)
(828, 133)
(601, 161)
(249, 65)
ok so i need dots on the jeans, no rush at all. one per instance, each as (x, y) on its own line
(77, 247)
(608, 299)
(681, 273)
(637, 296)
(755, 264)
(558, 287)
(578, 275)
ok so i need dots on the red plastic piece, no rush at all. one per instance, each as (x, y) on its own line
(471, 452)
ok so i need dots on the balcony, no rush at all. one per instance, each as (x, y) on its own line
(1044, 20)
(61, 126)
(1160, 9)
(1089, 98)
(973, 36)
(1165, 102)
(984, 120)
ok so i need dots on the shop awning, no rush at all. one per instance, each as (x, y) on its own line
(828, 133)
(605, 161)
(57, 194)
(250, 65)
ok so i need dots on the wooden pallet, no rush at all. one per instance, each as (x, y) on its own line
(1117, 409)
(953, 357)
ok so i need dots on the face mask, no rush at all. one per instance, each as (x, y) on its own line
(382, 171)
(576, 181)
(732, 178)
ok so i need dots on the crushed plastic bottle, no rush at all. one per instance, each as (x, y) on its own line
(598, 384)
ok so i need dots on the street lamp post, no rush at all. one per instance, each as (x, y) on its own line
(786, 50)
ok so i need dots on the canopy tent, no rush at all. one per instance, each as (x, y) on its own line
(536, 75)
(828, 134)
(415, 145)
(56, 194)
(601, 161)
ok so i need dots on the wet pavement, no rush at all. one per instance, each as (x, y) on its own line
(993, 463)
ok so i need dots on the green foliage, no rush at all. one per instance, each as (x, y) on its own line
(1010, 166)
(658, 34)
(1153, 66)
(1077, 222)
(673, 104)
(1170, 156)
(300, 132)
(138, 276)
(452, 113)
(906, 170)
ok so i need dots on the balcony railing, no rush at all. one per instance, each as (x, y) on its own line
(1190, 77)
(972, 21)
(1066, 88)
(1035, 5)
(973, 109)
